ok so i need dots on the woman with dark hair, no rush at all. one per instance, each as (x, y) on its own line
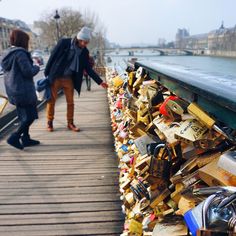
(18, 77)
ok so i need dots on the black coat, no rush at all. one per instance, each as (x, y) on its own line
(18, 76)
(59, 61)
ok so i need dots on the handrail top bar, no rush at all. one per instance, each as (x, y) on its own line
(211, 87)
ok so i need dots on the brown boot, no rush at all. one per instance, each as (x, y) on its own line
(72, 127)
(50, 126)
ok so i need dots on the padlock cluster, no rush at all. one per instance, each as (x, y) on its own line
(167, 147)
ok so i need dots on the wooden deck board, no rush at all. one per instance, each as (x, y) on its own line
(94, 228)
(58, 208)
(68, 185)
(60, 218)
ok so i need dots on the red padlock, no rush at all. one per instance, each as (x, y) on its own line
(119, 104)
(163, 108)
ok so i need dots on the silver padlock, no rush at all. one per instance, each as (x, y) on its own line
(217, 210)
(208, 214)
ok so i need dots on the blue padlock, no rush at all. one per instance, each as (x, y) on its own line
(209, 214)
(124, 148)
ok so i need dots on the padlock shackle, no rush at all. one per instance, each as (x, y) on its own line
(205, 208)
(227, 201)
(206, 205)
(158, 148)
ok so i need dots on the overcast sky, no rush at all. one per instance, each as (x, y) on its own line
(135, 21)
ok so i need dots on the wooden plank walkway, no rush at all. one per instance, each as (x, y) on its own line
(69, 184)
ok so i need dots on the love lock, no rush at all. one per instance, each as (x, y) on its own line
(140, 75)
(213, 213)
(140, 72)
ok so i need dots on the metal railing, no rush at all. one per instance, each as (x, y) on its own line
(211, 93)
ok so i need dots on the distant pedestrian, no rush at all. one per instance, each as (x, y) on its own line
(65, 68)
(18, 77)
(86, 76)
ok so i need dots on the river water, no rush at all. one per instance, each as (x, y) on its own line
(217, 66)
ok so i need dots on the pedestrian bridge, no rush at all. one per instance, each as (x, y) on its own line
(68, 185)
(138, 51)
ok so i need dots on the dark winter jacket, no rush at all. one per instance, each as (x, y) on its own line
(59, 60)
(18, 76)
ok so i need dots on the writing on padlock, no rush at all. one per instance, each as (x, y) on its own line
(190, 131)
(205, 119)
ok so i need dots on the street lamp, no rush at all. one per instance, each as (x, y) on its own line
(57, 17)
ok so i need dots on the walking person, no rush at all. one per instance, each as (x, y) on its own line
(18, 77)
(86, 76)
(65, 68)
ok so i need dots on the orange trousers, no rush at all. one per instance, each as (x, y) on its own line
(68, 89)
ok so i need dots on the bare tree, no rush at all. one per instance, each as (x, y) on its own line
(70, 22)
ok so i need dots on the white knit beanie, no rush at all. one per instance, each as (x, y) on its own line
(84, 34)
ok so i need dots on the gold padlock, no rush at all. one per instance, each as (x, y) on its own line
(131, 78)
(162, 196)
(129, 198)
(151, 91)
(143, 163)
(138, 129)
(213, 175)
(135, 227)
(125, 185)
(177, 106)
(143, 118)
(117, 82)
(190, 131)
(140, 75)
(204, 118)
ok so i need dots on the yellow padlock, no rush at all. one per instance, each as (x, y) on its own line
(117, 81)
(131, 78)
(204, 118)
(135, 227)
(200, 115)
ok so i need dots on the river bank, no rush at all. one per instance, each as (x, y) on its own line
(216, 53)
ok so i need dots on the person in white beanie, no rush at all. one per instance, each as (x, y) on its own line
(64, 69)
(84, 34)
